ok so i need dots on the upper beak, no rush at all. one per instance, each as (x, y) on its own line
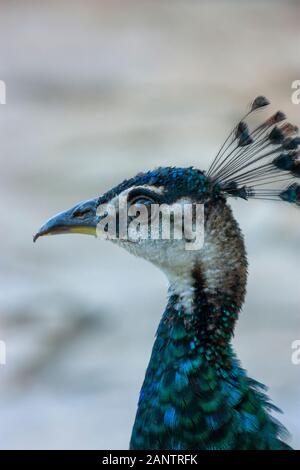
(81, 218)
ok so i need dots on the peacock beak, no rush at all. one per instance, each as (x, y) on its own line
(81, 218)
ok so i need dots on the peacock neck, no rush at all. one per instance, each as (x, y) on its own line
(195, 395)
(192, 356)
(207, 327)
(208, 294)
(180, 394)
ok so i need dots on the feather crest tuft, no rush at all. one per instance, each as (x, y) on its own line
(250, 161)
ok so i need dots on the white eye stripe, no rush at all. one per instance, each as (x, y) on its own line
(153, 189)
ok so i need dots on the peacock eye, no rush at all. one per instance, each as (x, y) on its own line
(141, 196)
(142, 201)
(138, 200)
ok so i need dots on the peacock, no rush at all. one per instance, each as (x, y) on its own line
(195, 393)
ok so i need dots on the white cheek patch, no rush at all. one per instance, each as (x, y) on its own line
(220, 258)
(181, 220)
(171, 255)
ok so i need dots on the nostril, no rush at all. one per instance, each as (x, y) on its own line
(81, 212)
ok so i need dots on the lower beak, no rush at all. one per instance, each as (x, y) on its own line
(81, 218)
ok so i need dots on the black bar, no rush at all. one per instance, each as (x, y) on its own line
(134, 459)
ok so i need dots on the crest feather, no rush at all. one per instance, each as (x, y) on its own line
(249, 162)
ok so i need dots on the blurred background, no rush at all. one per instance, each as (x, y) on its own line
(96, 92)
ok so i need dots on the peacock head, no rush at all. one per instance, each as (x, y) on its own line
(178, 217)
(157, 215)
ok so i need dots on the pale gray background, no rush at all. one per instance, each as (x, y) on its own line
(97, 91)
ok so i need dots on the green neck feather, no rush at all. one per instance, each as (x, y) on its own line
(195, 394)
